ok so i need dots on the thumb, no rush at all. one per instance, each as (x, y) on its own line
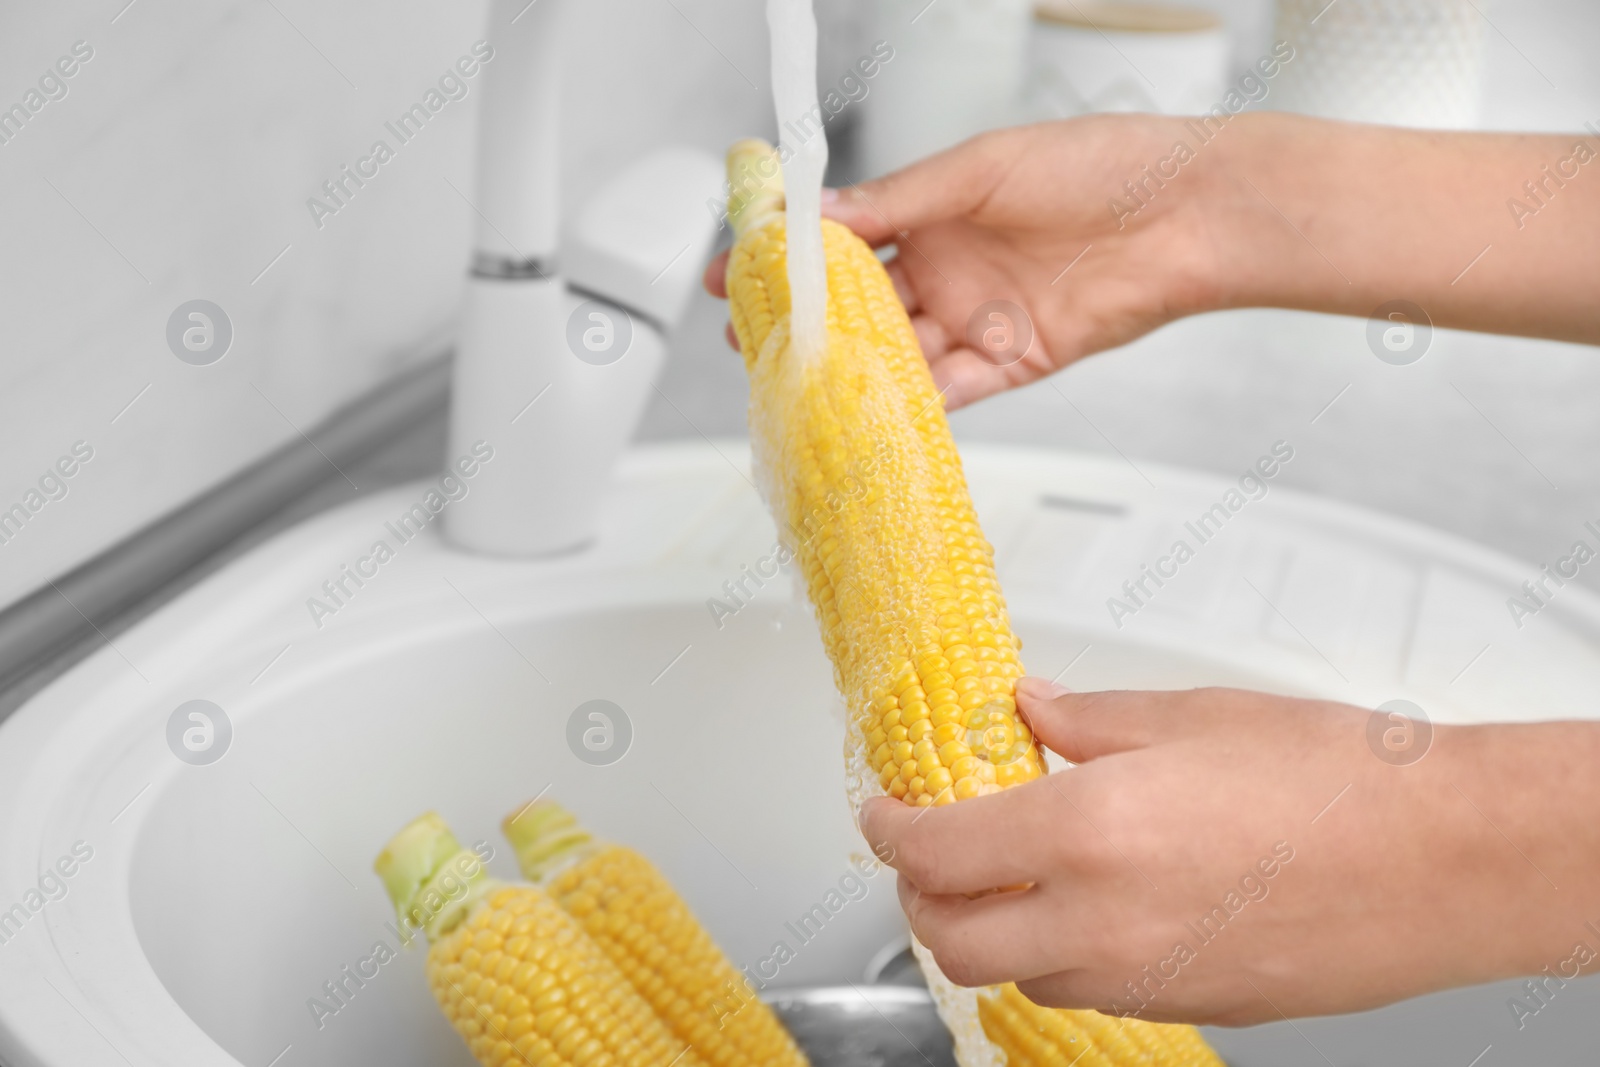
(948, 185)
(1085, 726)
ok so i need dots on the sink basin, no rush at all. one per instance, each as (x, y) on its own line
(222, 893)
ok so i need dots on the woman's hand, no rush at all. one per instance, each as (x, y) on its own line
(1022, 216)
(1232, 857)
(1103, 228)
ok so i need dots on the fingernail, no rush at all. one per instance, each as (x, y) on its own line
(1042, 689)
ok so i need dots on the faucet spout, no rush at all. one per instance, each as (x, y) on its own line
(518, 205)
(564, 323)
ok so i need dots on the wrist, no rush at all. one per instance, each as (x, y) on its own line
(1258, 260)
(1201, 230)
(1522, 800)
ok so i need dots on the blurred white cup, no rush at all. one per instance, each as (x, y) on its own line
(1096, 56)
(1398, 62)
(958, 70)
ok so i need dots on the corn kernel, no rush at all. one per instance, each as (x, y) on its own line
(1009, 774)
(967, 787)
(953, 753)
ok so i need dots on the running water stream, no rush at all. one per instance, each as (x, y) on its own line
(803, 148)
(803, 151)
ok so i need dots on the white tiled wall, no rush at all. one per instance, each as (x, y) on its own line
(178, 165)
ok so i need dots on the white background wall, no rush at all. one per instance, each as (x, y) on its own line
(179, 164)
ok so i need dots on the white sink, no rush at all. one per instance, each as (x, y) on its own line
(219, 898)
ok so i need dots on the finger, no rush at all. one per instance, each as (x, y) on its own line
(1073, 990)
(945, 186)
(1077, 990)
(733, 338)
(902, 286)
(1085, 990)
(1080, 990)
(965, 376)
(715, 278)
(987, 940)
(977, 845)
(908, 893)
(931, 337)
(1086, 726)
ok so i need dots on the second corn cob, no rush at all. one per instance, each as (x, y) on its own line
(858, 466)
(518, 979)
(638, 920)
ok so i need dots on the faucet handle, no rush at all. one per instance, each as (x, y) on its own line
(641, 240)
(633, 256)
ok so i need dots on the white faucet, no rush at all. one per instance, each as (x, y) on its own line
(562, 330)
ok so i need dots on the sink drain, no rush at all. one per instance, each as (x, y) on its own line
(865, 1026)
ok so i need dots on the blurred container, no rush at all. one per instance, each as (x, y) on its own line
(957, 70)
(1397, 62)
(1091, 56)
(875, 1026)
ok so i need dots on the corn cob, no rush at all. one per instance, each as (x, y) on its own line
(517, 977)
(636, 918)
(1032, 1036)
(862, 475)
